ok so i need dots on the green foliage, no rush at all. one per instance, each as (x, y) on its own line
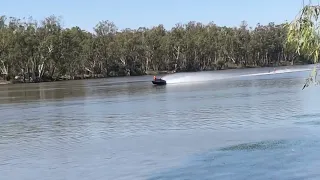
(45, 51)
(303, 35)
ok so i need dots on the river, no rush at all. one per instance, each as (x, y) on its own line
(245, 127)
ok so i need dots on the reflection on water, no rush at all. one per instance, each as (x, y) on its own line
(20, 93)
(125, 128)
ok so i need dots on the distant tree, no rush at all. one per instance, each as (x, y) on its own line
(46, 51)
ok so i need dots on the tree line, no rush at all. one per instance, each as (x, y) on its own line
(34, 51)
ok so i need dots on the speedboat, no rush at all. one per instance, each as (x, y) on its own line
(159, 81)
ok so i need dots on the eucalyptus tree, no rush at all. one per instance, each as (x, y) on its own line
(6, 36)
(45, 50)
(105, 33)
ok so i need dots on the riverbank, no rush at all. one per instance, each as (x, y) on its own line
(2, 82)
(155, 73)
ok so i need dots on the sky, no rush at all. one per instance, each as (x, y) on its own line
(147, 13)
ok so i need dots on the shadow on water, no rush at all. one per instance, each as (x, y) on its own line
(264, 145)
(73, 90)
(288, 159)
(20, 93)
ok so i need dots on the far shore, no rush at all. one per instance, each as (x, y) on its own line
(45, 51)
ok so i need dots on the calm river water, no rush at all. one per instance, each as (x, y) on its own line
(250, 127)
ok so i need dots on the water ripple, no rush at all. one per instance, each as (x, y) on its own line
(261, 160)
(106, 129)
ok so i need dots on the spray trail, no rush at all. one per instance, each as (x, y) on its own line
(195, 77)
(226, 74)
(277, 72)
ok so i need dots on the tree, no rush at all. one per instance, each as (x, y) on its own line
(35, 51)
(303, 35)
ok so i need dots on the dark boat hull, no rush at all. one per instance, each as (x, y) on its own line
(159, 82)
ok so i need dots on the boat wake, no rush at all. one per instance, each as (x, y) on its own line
(277, 72)
(179, 78)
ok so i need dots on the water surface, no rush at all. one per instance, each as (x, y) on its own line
(251, 127)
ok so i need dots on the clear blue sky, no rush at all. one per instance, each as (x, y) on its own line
(136, 13)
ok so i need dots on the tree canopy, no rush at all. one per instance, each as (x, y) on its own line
(45, 50)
